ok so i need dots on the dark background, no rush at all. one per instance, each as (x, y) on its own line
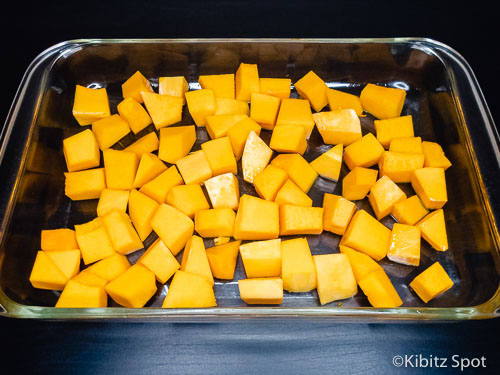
(273, 347)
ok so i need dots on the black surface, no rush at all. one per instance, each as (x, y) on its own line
(290, 347)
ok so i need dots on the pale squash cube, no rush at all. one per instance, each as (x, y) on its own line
(313, 88)
(365, 152)
(296, 112)
(393, 128)
(187, 198)
(384, 194)
(404, 246)
(357, 183)
(135, 85)
(261, 291)
(409, 211)
(289, 139)
(297, 266)
(221, 84)
(58, 239)
(290, 193)
(90, 104)
(398, 166)
(256, 156)
(200, 103)
(223, 191)
(246, 81)
(341, 126)
(430, 185)
(110, 130)
(172, 226)
(337, 213)
(45, 274)
(214, 222)
(176, 142)
(433, 229)
(269, 182)
(134, 114)
(279, 87)
(375, 244)
(298, 169)
(122, 233)
(147, 143)
(262, 258)
(189, 290)
(80, 295)
(87, 184)
(342, 100)
(256, 219)
(160, 261)
(379, 290)
(133, 288)
(194, 259)
(362, 264)
(238, 135)
(329, 163)
(141, 209)
(264, 109)
(300, 220)
(159, 186)
(93, 241)
(432, 282)
(173, 86)
(194, 168)
(218, 125)
(164, 110)
(81, 151)
(120, 168)
(435, 156)
(222, 259)
(382, 102)
(220, 156)
(334, 277)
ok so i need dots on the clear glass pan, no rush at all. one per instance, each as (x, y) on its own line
(443, 97)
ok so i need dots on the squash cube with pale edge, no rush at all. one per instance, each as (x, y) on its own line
(68, 261)
(172, 226)
(382, 102)
(150, 166)
(430, 185)
(45, 274)
(300, 220)
(141, 209)
(134, 114)
(262, 258)
(328, 164)
(133, 288)
(256, 156)
(188, 199)
(337, 213)
(173, 86)
(238, 135)
(289, 139)
(110, 130)
(122, 233)
(225, 106)
(334, 277)
(376, 244)
(393, 128)
(279, 87)
(194, 259)
(432, 282)
(120, 168)
(222, 259)
(411, 145)
(246, 81)
(365, 152)
(90, 105)
(409, 211)
(176, 142)
(81, 151)
(256, 219)
(290, 193)
(159, 186)
(398, 166)
(433, 229)
(220, 156)
(189, 290)
(221, 84)
(58, 239)
(341, 126)
(296, 112)
(93, 241)
(261, 291)
(214, 222)
(404, 246)
(160, 261)
(110, 267)
(383, 195)
(357, 183)
(194, 168)
(164, 110)
(343, 100)
(147, 143)
(223, 191)
(269, 182)
(313, 88)
(218, 125)
(87, 184)
(435, 156)
(298, 169)
(135, 85)
(264, 109)
(379, 290)
(362, 265)
(200, 103)
(297, 266)
(80, 295)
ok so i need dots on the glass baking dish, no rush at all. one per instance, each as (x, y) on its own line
(443, 97)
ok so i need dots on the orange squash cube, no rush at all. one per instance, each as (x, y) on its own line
(122, 233)
(412, 145)
(328, 164)
(409, 211)
(150, 166)
(279, 87)
(194, 259)
(379, 290)
(430, 185)
(111, 200)
(358, 182)
(334, 277)
(264, 109)
(262, 258)
(160, 261)
(133, 288)
(141, 209)
(433, 229)
(337, 213)
(135, 85)
(220, 157)
(81, 151)
(68, 261)
(297, 266)
(188, 199)
(313, 88)
(176, 142)
(189, 290)
(341, 126)
(434, 156)
(221, 84)
(90, 105)
(343, 100)
(120, 168)
(214, 222)
(404, 246)
(393, 128)
(110, 130)
(79, 295)
(194, 168)
(382, 102)
(362, 264)
(290, 193)
(58, 239)
(300, 220)
(256, 219)
(289, 139)
(45, 274)
(383, 195)
(134, 114)
(246, 81)
(173, 86)
(239, 133)
(159, 186)
(218, 125)
(365, 152)
(94, 241)
(261, 291)
(225, 106)
(147, 143)
(298, 169)
(398, 166)
(432, 282)
(110, 267)
(269, 182)
(164, 110)
(222, 259)
(296, 112)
